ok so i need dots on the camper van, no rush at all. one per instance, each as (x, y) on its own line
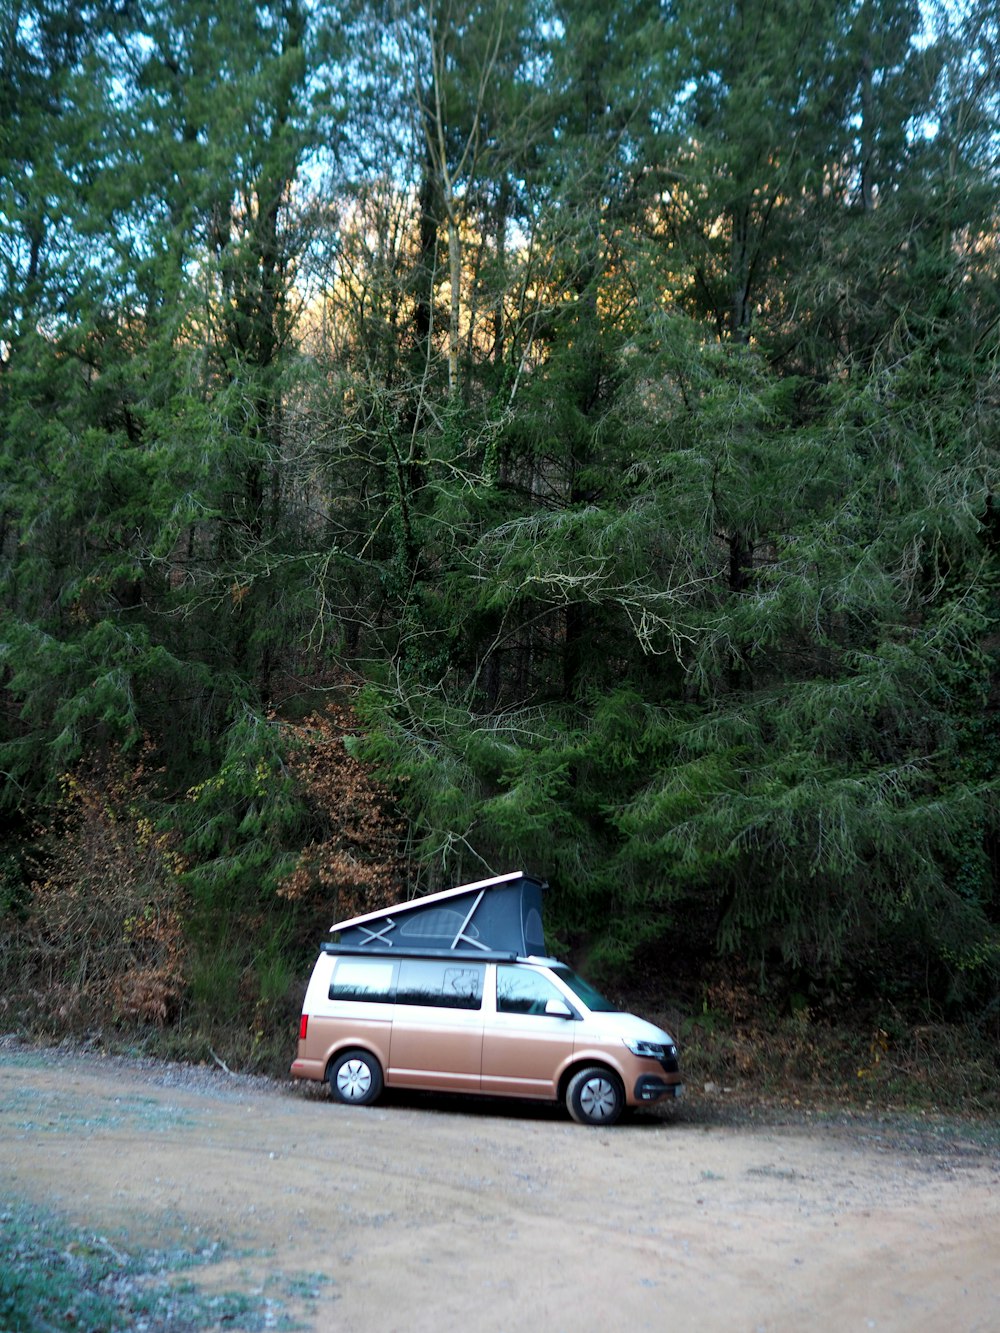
(454, 992)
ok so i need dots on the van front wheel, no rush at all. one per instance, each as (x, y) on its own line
(355, 1078)
(595, 1096)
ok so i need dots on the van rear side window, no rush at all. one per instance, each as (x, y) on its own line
(445, 985)
(364, 979)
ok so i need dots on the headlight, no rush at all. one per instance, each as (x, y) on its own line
(653, 1050)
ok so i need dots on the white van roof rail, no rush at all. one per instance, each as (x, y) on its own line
(388, 951)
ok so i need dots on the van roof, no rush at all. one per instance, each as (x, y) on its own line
(375, 951)
(471, 955)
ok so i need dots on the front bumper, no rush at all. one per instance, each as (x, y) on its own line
(650, 1088)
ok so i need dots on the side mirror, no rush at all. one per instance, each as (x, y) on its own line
(558, 1009)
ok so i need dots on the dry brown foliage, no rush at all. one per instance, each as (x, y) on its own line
(357, 864)
(103, 940)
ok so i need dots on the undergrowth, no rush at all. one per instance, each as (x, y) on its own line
(755, 1051)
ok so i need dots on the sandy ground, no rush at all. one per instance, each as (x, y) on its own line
(429, 1214)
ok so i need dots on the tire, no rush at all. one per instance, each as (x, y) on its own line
(355, 1078)
(595, 1096)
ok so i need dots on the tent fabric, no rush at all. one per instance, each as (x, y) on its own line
(497, 915)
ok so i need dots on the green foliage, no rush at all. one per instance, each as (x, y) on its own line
(13, 888)
(239, 822)
(609, 393)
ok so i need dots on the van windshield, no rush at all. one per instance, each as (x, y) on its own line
(592, 998)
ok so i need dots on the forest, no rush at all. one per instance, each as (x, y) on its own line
(445, 437)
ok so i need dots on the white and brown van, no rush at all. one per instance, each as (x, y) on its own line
(434, 1006)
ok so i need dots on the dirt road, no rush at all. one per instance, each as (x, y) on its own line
(434, 1215)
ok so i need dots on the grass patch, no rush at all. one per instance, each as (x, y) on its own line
(54, 1278)
(52, 1111)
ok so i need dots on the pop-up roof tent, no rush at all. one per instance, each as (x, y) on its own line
(500, 915)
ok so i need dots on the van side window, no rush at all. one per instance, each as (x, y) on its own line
(521, 991)
(445, 984)
(364, 979)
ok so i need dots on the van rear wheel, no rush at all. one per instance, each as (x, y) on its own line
(355, 1077)
(595, 1096)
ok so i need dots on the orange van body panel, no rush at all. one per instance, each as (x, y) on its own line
(480, 1050)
